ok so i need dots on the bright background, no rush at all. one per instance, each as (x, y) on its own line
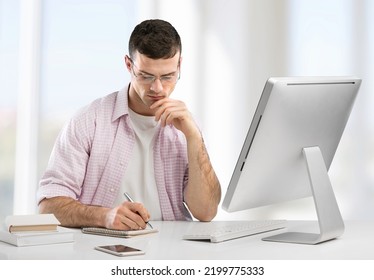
(58, 55)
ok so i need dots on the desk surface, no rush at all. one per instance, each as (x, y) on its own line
(356, 243)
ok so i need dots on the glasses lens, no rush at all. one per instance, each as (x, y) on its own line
(149, 79)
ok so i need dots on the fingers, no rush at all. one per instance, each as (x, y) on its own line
(169, 110)
(128, 216)
(137, 213)
(170, 114)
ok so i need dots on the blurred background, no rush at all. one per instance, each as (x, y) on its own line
(58, 55)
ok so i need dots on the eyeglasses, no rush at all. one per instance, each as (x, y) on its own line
(148, 79)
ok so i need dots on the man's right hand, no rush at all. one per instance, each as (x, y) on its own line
(127, 216)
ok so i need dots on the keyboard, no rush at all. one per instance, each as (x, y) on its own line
(218, 231)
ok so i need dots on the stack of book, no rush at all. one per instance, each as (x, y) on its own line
(39, 229)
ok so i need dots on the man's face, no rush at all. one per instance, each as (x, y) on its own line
(151, 80)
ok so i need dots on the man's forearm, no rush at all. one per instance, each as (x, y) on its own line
(72, 213)
(203, 192)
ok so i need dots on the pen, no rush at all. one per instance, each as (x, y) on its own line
(131, 200)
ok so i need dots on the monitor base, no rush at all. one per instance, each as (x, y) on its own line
(296, 237)
(330, 221)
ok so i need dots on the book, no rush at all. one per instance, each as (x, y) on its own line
(38, 222)
(20, 239)
(117, 233)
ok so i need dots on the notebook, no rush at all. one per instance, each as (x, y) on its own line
(117, 233)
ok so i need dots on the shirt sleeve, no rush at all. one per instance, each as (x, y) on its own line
(67, 165)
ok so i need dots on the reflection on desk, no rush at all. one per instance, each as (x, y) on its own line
(356, 243)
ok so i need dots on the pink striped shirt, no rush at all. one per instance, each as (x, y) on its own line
(93, 150)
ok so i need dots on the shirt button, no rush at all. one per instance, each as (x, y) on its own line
(112, 190)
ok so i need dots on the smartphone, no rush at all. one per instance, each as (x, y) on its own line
(120, 250)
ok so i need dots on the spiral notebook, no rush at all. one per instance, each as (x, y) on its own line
(117, 233)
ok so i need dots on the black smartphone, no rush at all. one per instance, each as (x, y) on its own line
(120, 250)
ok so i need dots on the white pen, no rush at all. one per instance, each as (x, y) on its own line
(131, 200)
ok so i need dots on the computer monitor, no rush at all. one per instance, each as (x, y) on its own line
(289, 147)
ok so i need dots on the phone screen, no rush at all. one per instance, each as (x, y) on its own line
(120, 250)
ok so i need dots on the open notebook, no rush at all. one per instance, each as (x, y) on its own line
(117, 233)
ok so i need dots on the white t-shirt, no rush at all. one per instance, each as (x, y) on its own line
(139, 180)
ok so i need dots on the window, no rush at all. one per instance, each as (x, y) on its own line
(9, 18)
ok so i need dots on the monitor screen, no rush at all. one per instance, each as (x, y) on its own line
(295, 130)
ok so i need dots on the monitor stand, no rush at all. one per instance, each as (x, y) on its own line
(330, 221)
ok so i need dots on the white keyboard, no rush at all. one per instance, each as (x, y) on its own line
(218, 231)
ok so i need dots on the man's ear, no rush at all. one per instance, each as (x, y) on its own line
(128, 62)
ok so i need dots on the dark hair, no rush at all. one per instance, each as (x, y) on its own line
(155, 39)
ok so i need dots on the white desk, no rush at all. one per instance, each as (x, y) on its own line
(355, 244)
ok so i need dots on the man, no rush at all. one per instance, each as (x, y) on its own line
(137, 140)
